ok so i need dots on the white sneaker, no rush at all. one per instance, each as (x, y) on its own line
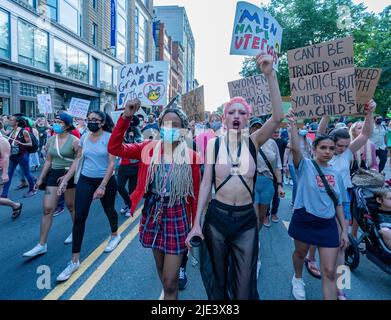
(298, 290)
(113, 243)
(127, 214)
(37, 250)
(291, 182)
(124, 209)
(69, 239)
(67, 272)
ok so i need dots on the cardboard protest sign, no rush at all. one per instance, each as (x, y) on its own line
(329, 93)
(145, 81)
(322, 79)
(322, 57)
(194, 105)
(255, 31)
(366, 82)
(44, 103)
(78, 108)
(255, 90)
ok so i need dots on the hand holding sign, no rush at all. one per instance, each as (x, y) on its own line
(265, 63)
(131, 107)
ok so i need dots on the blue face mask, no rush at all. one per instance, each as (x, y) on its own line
(303, 133)
(57, 128)
(170, 135)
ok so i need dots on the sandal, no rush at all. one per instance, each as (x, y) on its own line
(16, 212)
(312, 268)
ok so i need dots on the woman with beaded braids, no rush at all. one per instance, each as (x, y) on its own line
(169, 177)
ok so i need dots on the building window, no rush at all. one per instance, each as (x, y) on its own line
(122, 3)
(106, 76)
(52, 9)
(94, 34)
(94, 72)
(95, 4)
(4, 105)
(4, 35)
(70, 61)
(32, 3)
(33, 45)
(4, 86)
(69, 15)
(29, 90)
(140, 36)
(121, 51)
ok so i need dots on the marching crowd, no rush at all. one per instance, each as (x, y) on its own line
(216, 188)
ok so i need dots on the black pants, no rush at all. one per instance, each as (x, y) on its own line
(275, 203)
(230, 251)
(128, 174)
(382, 154)
(85, 190)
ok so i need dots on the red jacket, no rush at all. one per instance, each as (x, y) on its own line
(143, 152)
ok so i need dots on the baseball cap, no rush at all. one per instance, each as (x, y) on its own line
(67, 119)
(254, 121)
(341, 125)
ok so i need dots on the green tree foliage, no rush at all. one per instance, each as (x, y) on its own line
(306, 22)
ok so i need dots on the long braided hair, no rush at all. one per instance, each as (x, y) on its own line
(180, 180)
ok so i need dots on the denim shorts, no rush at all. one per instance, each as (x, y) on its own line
(264, 190)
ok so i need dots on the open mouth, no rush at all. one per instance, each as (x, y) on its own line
(236, 124)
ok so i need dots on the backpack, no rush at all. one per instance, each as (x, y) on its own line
(35, 143)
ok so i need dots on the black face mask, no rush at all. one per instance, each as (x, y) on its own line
(378, 121)
(93, 127)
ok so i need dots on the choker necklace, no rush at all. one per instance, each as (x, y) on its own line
(235, 164)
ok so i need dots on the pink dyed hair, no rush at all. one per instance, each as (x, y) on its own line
(240, 100)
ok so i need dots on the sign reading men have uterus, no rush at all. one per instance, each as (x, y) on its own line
(144, 81)
(255, 31)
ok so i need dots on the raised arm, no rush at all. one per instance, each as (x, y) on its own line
(323, 125)
(367, 129)
(260, 136)
(294, 142)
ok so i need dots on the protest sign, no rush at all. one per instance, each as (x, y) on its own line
(255, 90)
(145, 81)
(322, 79)
(255, 31)
(366, 82)
(329, 93)
(78, 108)
(194, 105)
(322, 57)
(44, 103)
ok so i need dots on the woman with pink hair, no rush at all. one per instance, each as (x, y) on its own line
(230, 228)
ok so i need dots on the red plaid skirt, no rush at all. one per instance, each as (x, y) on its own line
(168, 233)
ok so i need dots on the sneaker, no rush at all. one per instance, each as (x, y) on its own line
(128, 213)
(66, 274)
(182, 279)
(291, 182)
(286, 180)
(124, 209)
(58, 211)
(21, 186)
(275, 218)
(69, 239)
(266, 222)
(30, 194)
(113, 243)
(298, 290)
(37, 250)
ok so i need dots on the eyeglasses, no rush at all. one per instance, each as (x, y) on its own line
(94, 120)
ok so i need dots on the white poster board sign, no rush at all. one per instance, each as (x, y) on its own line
(78, 108)
(44, 103)
(255, 31)
(145, 81)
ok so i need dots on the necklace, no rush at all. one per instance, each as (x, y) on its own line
(235, 163)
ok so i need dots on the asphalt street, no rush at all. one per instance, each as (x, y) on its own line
(129, 271)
